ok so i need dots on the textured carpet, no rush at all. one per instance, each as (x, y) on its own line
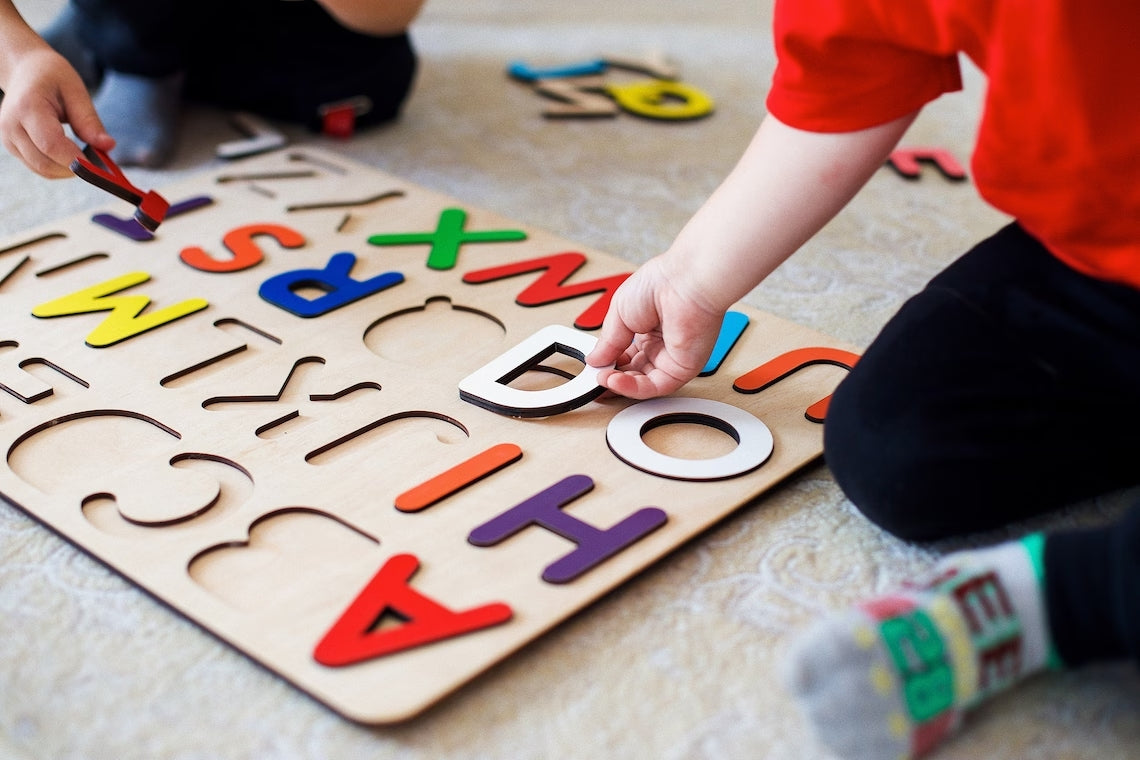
(683, 662)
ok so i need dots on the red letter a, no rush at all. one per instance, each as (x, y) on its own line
(351, 639)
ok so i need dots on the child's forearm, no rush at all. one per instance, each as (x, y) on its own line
(786, 187)
(377, 17)
(663, 320)
(16, 39)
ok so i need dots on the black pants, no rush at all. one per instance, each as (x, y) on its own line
(1009, 387)
(280, 58)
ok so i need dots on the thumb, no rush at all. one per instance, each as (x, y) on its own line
(612, 343)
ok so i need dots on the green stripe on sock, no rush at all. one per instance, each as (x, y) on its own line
(1034, 545)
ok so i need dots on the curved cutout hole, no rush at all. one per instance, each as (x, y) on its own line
(83, 446)
(192, 486)
(439, 328)
(313, 554)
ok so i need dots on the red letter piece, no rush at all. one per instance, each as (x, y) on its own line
(905, 162)
(131, 228)
(549, 288)
(351, 639)
(785, 364)
(96, 167)
(241, 244)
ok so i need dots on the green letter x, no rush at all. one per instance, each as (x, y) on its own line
(448, 236)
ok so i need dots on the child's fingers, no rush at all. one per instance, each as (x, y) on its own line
(33, 127)
(47, 149)
(612, 343)
(24, 147)
(80, 113)
(638, 385)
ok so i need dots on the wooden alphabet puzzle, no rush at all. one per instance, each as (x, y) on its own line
(343, 422)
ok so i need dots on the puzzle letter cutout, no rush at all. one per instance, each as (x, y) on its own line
(343, 422)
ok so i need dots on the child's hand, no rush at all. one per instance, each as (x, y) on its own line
(658, 332)
(42, 93)
(665, 319)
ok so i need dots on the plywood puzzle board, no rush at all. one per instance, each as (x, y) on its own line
(256, 415)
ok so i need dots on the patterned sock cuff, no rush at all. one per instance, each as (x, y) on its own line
(1034, 545)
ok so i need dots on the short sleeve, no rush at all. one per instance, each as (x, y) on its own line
(844, 66)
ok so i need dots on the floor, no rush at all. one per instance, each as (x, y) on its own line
(684, 661)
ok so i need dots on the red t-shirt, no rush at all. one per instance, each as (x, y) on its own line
(1059, 143)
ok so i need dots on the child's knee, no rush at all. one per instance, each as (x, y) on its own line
(885, 470)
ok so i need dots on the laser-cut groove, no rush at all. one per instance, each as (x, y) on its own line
(334, 168)
(175, 376)
(322, 450)
(23, 262)
(43, 394)
(273, 424)
(361, 386)
(32, 241)
(73, 263)
(217, 359)
(89, 414)
(258, 176)
(247, 326)
(237, 399)
(346, 204)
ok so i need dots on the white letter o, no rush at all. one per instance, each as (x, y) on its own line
(753, 438)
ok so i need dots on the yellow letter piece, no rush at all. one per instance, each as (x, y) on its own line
(124, 321)
(662, 99)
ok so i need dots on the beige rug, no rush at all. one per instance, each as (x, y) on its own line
(684, 661)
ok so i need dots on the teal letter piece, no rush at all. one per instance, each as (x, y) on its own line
(730, 331)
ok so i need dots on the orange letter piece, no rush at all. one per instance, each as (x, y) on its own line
(240, 243)
(483, 464)
(785, 364)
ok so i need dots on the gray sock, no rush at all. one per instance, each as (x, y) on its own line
(63, 35)
(831, 674)
(142, 114)
(893, 677)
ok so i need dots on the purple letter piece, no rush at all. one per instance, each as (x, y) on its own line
(135, 231)
(594, 545)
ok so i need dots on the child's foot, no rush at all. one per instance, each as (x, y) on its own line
(141, 113)
(891, 678)
(63, 35)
